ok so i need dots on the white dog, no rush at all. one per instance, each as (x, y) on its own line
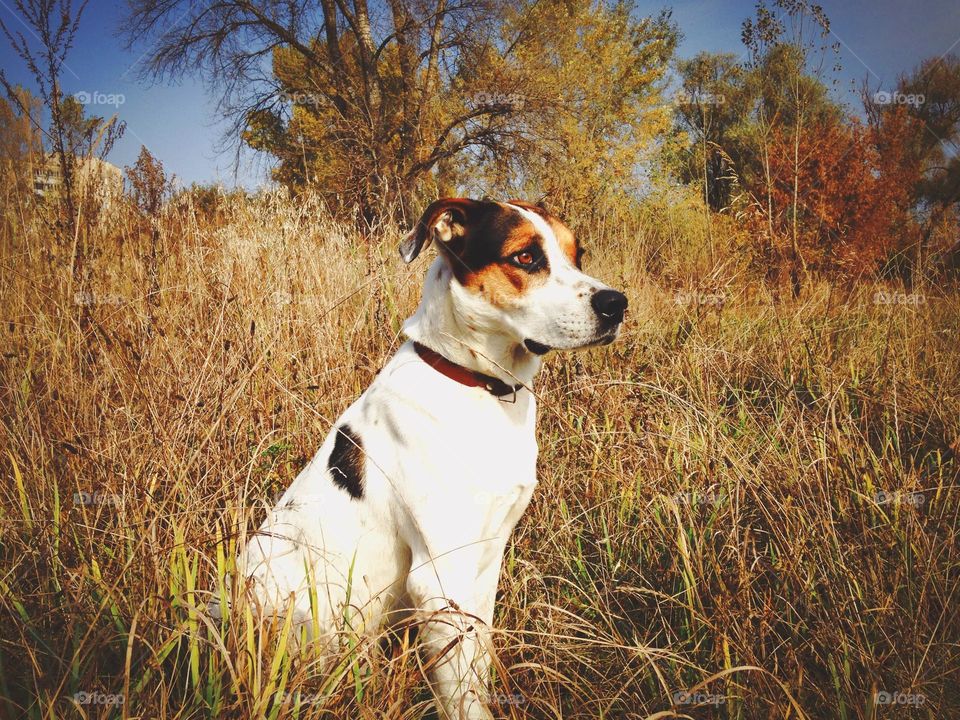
(409, 503)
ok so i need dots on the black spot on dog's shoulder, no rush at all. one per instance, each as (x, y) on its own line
(346, 462)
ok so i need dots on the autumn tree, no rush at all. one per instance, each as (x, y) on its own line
(917, 128)
(786, 54)
(361, 100)
(55, 25)
(375, 105)
(148, 188)
(710, 105)
(592, 76)
(830, 195)
(852, 217)
(755, 130)
(21, 148)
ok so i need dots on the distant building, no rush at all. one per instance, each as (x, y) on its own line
(106, 179)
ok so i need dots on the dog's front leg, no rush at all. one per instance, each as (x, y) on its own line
(454, 635)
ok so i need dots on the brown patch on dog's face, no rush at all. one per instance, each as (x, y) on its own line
(500, 257)
(568, 243)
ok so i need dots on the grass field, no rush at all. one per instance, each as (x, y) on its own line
(748, 507)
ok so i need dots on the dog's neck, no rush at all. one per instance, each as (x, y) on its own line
(449, 322)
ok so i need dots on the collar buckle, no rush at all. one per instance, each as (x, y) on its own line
(502, 396)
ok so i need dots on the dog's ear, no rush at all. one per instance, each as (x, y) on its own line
(443, 220)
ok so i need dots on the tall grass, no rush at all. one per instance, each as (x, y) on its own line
(747, 508)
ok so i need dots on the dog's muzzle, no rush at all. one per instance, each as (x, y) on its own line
(610, 306)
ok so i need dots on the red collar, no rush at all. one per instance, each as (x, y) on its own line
(465, 376)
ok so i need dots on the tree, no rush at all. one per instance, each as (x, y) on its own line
(790, 93)
(711, 103)
(379, 106)
(21, 148)
(935, 87)
(149, 188)
(359, 96)
(738, 118)
(55, 25)
(851, 219)
(595, 74)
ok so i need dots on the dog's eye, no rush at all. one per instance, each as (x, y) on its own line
(528, 259)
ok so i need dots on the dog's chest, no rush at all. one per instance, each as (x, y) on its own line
(495, 468)
(493, 443)
(457, 451)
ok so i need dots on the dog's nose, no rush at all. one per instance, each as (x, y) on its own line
(609, 304)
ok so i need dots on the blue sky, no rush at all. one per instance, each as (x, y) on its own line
(880, 39)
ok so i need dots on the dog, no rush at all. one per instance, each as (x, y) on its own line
(406, 509)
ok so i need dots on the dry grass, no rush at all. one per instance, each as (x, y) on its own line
(708, 517)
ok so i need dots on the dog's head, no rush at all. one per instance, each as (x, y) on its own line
(516, 271)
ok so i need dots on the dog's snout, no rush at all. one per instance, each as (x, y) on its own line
(609, 304)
